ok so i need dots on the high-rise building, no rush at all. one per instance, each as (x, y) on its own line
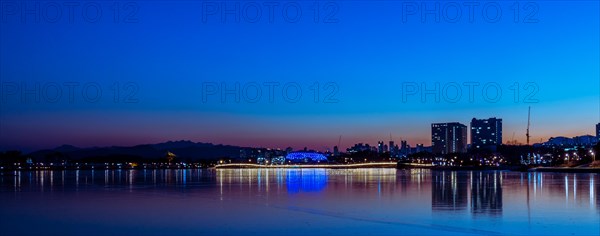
(380, 147)
(396, 151)
(486, 133)
(598, 130)
(448, 138)
(404, 147)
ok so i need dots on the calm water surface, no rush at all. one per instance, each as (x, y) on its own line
(298, 202)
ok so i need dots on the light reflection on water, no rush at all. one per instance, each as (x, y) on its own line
(299, 201)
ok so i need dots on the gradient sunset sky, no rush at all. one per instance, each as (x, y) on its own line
(362, 51)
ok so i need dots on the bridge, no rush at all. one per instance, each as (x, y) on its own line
(331, 166)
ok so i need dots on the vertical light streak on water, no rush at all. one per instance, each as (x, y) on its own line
(278, 178)
(535, 185)
(470, 192)
(128, 181)
(184, 177)
(480, 187)
(51, 180)
(542, 183)
(17, 180)
(379, 186)
(220, 174)
(365, 180)
(41, 173)
(592, 205)
(250, 176)
(454, 188)
(346, 180)
(154, 176)
(267, 180)
(575, 188)
(495, 183)
(567, 190)
(418, 176)
(77, 179)
(105, 177)
(351, 178)
(258, 179)
(132, 175)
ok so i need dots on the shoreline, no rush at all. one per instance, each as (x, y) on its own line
(395, 165)
(566, 169)
(505, 168)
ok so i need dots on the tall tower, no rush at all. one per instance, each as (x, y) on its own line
(486, 133)
(448, 138)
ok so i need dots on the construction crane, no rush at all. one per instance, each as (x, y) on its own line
(528, 123)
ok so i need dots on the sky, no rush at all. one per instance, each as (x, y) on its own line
(292, 73)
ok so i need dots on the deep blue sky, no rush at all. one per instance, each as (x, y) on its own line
(168, 51)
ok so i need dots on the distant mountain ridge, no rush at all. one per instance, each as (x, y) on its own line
(184, 149)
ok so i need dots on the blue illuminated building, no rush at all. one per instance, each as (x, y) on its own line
(305, 157)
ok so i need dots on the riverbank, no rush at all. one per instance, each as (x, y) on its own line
(508, 168)
(566, 169)
(337, 166)
(459, 168)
